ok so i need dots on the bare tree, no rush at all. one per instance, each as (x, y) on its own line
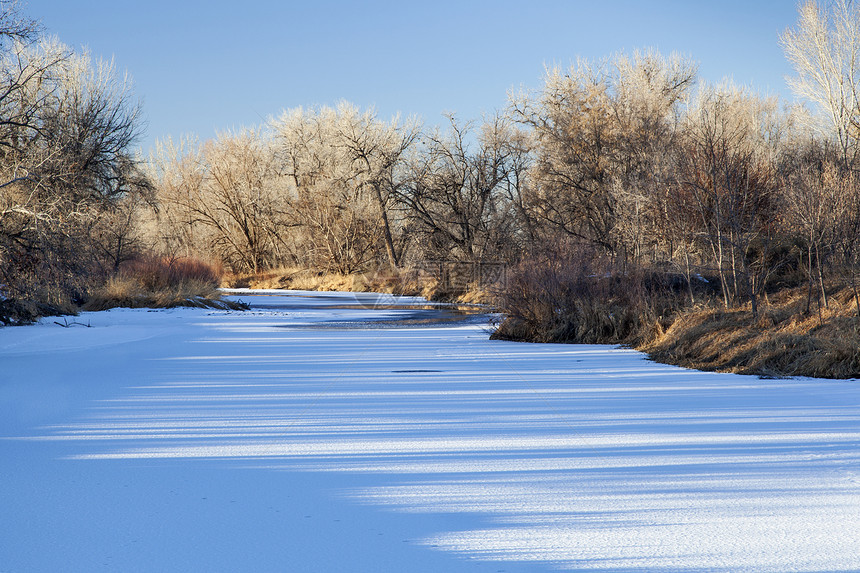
(339, 167)
(460, 198)
(222, 200)
(647, 91)
(67, 124)
(847, 233)
(727, 166)
(177, 173)
(13, 26)
(602, 134)
(575, 136)
(824, 48)
(376, 150)
(813, 195)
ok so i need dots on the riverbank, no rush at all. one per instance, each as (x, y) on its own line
(683, 322)
(787, 338)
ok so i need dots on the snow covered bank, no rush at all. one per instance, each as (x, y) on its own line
(288, 438)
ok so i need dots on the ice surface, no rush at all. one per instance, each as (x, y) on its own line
(279, 439)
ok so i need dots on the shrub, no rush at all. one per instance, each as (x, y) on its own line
(160, 282)
(577, 296)
(157, 273)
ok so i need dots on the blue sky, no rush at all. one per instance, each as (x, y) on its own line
(206, 66)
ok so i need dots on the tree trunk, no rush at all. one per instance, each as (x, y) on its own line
(820, 277)
(733, 251)
(718, 253)
(689, 277)
(386, 229)
(811, 280)
(856, 296)
(751, 291)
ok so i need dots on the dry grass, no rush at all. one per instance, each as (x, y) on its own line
(401, 282)
(296, 279)
(477, 294)
(783, 340)
(158, 282)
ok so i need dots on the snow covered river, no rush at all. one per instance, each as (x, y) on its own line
(325, 432)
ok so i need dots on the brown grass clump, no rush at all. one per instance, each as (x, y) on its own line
(477, 294)
(784, 340)
(160, 282)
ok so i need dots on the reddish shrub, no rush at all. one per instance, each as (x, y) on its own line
(159, 273)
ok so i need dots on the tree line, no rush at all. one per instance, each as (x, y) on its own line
(632, 158)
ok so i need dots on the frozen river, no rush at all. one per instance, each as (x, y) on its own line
(324, 432)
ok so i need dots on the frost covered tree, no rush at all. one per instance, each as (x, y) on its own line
(13, 26)
(343, 169)
(335, 213)
(602, 131)
(647, 95)
(376, 150)
(824, 49)
(574, 133)
(221, 200)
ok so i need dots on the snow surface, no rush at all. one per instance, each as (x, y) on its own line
(316, 433)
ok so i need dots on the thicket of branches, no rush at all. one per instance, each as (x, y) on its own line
(627, 158)
(338, 189)
(630, 160)
(69, 186)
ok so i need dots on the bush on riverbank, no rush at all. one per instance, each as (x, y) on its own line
(577, 298)
(14, 312)
(144, 282)
(160, 282)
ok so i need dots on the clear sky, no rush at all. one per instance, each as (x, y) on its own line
(204, 66)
